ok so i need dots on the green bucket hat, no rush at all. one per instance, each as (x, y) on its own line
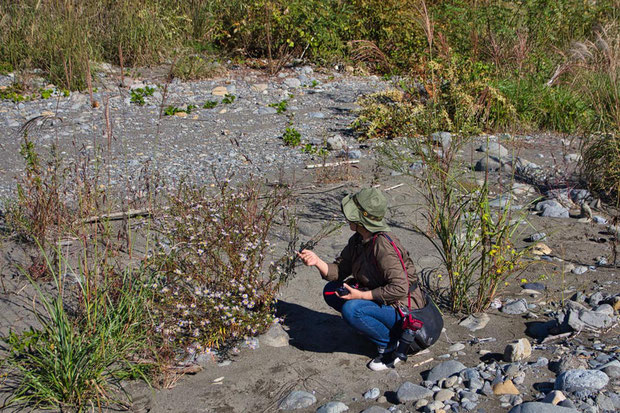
(367, 207)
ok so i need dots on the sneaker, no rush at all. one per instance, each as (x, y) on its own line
(383, 362)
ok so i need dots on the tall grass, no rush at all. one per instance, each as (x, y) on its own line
(77, 358)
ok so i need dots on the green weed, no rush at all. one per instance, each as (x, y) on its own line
(280, 106)
(138, 94)
(291, 137)
(228, 99)
(209, 104)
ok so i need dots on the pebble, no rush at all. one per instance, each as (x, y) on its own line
(456, 347)
(538, 407)
(292, 82)
(494, 149)
(372, 394)
(409, 392)
(475, 322)
(552, 208)
(443, 395)
(518, 350)
(275, 336)
(580, 270)
(333, 407)
(506, 387)
(297, 399)
(445, 369)
(538, 236)
(375, 409)
(518, 306)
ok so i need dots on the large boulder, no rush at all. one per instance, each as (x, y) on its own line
(574, 380)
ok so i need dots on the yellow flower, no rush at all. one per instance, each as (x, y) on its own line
(523, 280)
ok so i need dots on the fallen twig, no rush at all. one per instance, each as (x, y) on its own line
(423, 362)
(393, 187)
(328, 164)
(115, 216)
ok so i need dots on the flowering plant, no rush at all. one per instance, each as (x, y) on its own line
(211, 287)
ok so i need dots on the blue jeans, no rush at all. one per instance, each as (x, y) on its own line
(380, 323)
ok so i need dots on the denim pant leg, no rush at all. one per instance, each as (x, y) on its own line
(380, 323)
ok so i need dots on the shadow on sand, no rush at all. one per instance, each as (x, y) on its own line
(311, 330)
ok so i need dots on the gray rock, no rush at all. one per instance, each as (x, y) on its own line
(494, 149)
(275, 336)
(596, 298)
(534, 286)
(552, 208)
(266, 110)
(431, 407)
(444, 139)
(333, 407)
(579, 195)
(501, 201)
(538, 236)
(372, 394)
(579, 319)
(518, 306)
(518, 350)
(601, 261)
(489, 163)
(292, 82)
(409, 392)
(297, 399)
(572, 157)
(487, 390)
(538, 407)
(605, 403)
(376, 409)
(613, 372)
(469, 405)
(445, 369)
(335, 143)
(566, 363)
(475, 322)
(579, 270)
(573, 380)
(456, 347)
(599, 220)
(316, 115)
(352, 154)
(443, 395)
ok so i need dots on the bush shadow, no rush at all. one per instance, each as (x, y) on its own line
(311, 330)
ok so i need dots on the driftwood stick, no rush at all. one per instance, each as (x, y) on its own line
(549, 339)
(328, 164)
(115, 216)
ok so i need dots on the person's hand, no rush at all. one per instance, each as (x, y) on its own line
(355, 294)
(309, 258)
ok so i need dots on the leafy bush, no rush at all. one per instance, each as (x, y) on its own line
(196, 67)
(211, 286)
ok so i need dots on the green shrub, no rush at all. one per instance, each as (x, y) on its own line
(211, 285)
(196, 67)
(475, 242)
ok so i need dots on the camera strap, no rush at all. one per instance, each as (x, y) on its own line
(408, 321)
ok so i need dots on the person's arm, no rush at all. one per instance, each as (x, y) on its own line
(338, 270)
(312, 260)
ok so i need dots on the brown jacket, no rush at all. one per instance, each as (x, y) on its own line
(376, 267)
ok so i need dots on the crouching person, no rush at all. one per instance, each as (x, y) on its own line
(374, 285)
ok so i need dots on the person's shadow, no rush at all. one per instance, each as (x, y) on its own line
(310, 330)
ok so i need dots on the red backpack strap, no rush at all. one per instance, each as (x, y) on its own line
(402, 262)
